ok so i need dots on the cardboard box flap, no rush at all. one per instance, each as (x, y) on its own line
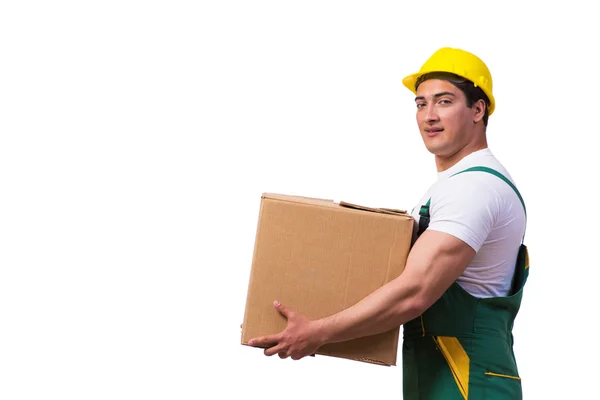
(394, 211)
(390, 211)
(331, 203)
(300, 199)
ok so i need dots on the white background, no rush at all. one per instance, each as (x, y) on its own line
(137, 137)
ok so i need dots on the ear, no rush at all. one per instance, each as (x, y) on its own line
(478, 108)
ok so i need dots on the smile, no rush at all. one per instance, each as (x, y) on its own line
(433, 131)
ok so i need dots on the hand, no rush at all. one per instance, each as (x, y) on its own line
(299, 339)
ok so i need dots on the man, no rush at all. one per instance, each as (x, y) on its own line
(462, 285)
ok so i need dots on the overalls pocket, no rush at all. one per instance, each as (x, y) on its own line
(502, 386)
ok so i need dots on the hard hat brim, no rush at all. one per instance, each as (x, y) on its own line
(410, 81)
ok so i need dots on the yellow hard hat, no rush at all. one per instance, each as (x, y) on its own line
(461, 63)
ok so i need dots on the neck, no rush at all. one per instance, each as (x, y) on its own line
(444, 162)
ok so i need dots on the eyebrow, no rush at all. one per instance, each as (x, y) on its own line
(436, 95)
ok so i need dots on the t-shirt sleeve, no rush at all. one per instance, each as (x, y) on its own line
(466, 207)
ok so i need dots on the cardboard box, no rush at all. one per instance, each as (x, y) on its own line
(319, 257)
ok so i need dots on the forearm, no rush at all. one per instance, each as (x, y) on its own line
(388, 307)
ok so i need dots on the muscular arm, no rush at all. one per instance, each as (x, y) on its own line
(434, 263)
(436, 260)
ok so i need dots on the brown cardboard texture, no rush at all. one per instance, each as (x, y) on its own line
(319, 257)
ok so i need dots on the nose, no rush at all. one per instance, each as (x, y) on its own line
(431, 114)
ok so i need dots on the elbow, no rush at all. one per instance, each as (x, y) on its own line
(414, 303)
(422, 299)
(415, 306)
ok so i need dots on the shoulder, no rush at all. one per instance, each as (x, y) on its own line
(472, 190)
(467, 206)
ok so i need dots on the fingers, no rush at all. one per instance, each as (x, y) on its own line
(265, 341)
(283, 310)
(286, 354)
(279, 349)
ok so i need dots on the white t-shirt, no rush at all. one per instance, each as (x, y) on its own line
(483, 211)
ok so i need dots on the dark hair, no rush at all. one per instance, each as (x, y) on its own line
(472, 92)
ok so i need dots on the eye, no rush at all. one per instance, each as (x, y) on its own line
(445, 101)
(420, 105)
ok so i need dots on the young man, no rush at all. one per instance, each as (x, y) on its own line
(462, 285)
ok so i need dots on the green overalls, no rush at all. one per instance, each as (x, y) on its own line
(462, 346)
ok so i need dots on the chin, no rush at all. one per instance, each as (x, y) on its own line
(433, 149)
(437, 151)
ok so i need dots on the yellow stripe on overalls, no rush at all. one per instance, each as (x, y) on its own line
(458, 361)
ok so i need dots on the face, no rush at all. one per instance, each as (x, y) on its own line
(445, 122)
